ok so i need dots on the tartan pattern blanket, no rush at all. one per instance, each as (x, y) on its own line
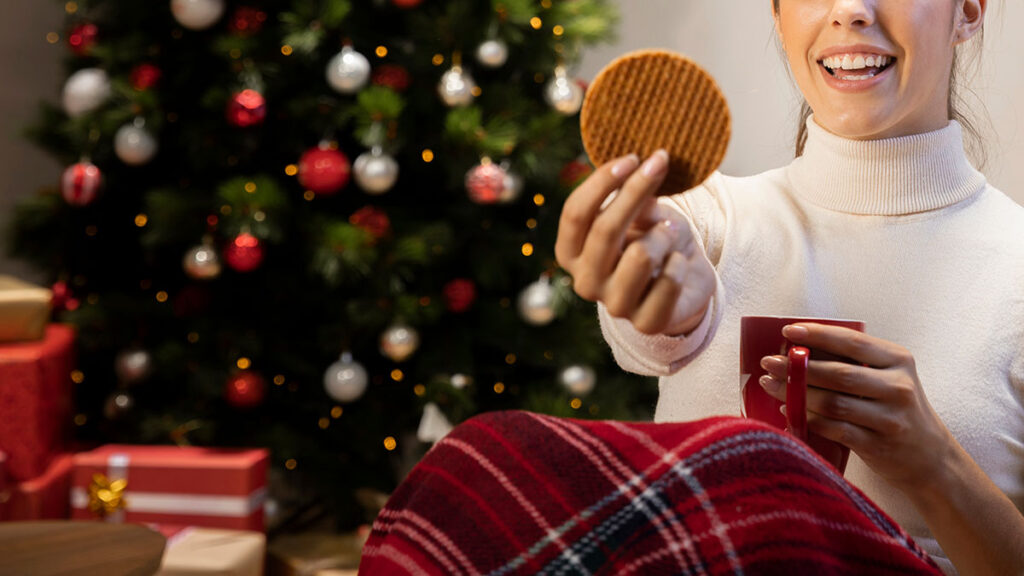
(510, 493)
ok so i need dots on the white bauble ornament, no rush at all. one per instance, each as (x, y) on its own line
(399, 342)
(460, 381)
(434, 425)
(133, 365)
(202, 262)
(134, 144)
(348, 71)
(346, 379)
(563, 93)
(578, 380)
(197, 14)
(375, 172)
(456, 87)
(85, 91)
(537, 303)
(492, 53)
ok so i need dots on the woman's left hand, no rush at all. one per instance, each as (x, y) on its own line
(878, 409)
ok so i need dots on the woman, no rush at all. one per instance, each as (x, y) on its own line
(880, 218)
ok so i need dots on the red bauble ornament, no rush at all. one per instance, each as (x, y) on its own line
(407, 3)
(144, 76)
(485, 183)
(323, 170)
(373, 220)
(459, 294)
(391, 75)
(246, 389)
(82, 38)
(62, 299)
(573, 172)
(81, 183)
(247, 20)
(244, 253)
(246, 108)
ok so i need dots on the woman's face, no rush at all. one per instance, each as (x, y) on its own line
(874, 69)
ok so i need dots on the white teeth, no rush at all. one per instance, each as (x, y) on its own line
(855, 62)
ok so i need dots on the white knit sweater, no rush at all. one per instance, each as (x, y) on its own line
(903, 234)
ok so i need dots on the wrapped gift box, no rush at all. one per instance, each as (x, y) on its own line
(35, 400)
(44, 497)
(24, 310)
(193, 551)
(207, 487)
(5, 494)
(314, 553)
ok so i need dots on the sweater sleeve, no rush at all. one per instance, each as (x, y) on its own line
(659, 354)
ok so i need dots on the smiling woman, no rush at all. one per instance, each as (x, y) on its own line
(926, 35)
(881, 218)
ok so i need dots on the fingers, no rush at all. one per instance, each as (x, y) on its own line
(863, 412)
(655, 313)
(584, 204)
(849, 343)
(636, 268)
(603, 244)
(837, 376)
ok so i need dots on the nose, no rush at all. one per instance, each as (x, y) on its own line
(853, 13)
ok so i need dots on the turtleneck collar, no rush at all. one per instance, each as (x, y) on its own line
(894, 176)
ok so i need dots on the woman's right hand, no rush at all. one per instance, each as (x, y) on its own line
(639, 259)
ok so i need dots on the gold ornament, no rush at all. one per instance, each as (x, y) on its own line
(106, 496)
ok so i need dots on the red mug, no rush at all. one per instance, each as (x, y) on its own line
(761, 336)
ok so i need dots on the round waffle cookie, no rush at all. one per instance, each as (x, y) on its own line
(654, 99)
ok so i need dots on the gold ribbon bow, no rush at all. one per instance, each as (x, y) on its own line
(106, 496)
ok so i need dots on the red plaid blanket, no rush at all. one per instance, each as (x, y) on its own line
(518, 493)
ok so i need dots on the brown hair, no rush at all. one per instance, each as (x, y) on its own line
(956, 100)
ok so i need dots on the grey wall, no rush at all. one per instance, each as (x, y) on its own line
(30, 70)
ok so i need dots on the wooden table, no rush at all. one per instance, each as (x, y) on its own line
(86, 548)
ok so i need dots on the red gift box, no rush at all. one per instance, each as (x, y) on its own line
(44, 497)
(35, 400)
(5, 494)
(209, 487)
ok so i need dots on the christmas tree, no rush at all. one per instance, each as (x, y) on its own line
(321, 226)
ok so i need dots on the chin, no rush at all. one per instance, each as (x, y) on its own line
(858, 125)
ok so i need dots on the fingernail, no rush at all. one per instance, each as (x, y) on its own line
(794, 332)
(770, 384)
(770, 362)
(675, 268)
(656, 164)
(625, 165)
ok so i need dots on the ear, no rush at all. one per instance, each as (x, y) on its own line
(970, 18)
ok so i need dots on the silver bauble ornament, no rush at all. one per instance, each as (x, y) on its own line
(85, 91)
(399, 342)
(118, 405)
(456, 87)
(197, 14)
(202, 262)
(578, 380)
(133, 366)
(537, 303)
(563, 93)
(346, 379)
(492, 53)
(348, 71)
(134, 144)
(375, 172)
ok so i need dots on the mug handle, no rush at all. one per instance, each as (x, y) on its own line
(796, 392)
